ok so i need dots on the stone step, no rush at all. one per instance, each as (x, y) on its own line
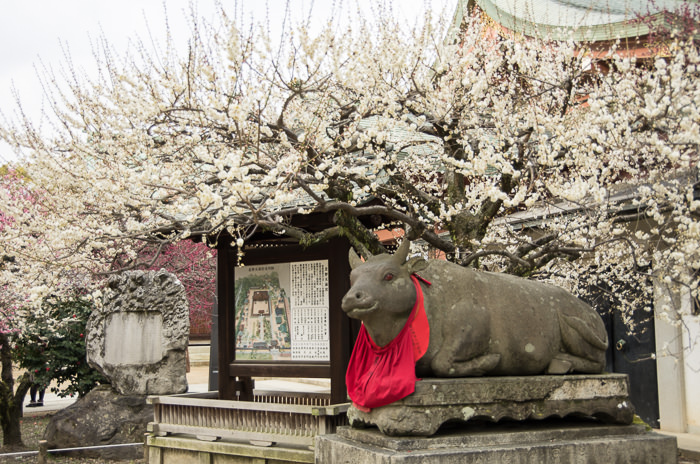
(199, 355)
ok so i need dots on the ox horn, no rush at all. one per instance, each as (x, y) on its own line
(354, 259)
(402, 252)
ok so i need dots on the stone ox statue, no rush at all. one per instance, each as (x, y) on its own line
(481, 323)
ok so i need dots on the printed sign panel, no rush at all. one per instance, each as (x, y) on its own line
(282, 312)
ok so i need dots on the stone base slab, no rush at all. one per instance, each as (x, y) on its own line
(553, 442)
(438, 401)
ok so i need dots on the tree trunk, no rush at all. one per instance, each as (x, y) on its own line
(11, 401)
(11, 431)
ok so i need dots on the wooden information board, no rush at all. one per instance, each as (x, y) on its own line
(279, 315)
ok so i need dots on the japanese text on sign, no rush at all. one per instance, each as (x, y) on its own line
(309, 304)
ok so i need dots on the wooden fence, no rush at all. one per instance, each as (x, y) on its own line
(285, 418)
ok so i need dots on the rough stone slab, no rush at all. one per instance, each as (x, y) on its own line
(102, 417)
(437, 401)
(533, 442)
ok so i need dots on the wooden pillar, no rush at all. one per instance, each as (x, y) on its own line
(226, 317)
(340, 325)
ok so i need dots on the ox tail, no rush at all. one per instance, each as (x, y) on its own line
(584, 335)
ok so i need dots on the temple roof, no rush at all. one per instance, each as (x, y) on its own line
(581, 20)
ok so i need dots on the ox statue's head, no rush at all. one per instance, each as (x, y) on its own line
(381, 293)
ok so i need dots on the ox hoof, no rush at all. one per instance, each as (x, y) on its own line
(559, 366)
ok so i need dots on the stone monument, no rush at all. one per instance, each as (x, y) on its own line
(138, 340)
(507, 365)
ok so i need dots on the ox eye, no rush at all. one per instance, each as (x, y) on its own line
(389, 276)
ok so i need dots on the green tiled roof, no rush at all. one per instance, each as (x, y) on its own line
(590, 20)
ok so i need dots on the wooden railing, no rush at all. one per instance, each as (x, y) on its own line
(273, 418)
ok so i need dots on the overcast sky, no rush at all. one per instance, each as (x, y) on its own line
(35, 32)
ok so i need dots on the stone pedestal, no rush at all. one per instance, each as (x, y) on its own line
(532, 442)
(438, 401)
(539, 419)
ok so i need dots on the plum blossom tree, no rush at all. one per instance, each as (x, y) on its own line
(505, 153)
(46, 341)
(11, 392)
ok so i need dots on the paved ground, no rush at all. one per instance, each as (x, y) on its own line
(689, 444)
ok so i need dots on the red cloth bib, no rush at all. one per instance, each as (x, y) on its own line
(377, 376)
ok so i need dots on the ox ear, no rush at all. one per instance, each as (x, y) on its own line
(402, 252)
(354, 259)
(416, 264)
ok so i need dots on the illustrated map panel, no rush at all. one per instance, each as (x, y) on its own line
(282, 312)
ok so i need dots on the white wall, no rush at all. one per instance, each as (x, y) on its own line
(677, 362)
(691, 350)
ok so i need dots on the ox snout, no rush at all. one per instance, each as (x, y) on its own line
(357, 301)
